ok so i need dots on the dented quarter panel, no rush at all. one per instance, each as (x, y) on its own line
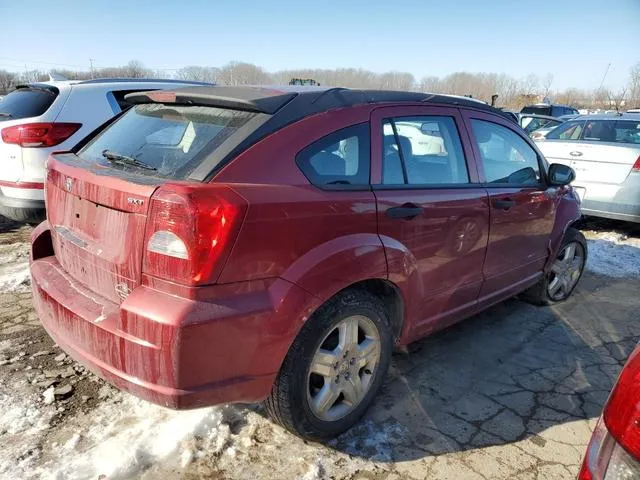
(567, 205)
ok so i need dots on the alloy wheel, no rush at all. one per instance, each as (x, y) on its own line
(566, 271)
(343, 367)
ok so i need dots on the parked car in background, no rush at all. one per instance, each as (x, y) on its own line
(614, 450)
(604, 151)
(39, 118)
(531, 122)
(551, 110)
(240, 244)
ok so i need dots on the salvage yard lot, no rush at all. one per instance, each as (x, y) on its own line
(511, 393)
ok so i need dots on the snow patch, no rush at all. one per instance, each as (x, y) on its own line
(14, 268)
(126, 436)
(614, 255)
(23, 423)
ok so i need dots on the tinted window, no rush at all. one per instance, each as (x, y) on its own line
(26, 102)
(506, 157)
(427, 148)
(566, 131)
(537, 109)
(340, 158)
(619, 131)
(628, 131)
(173, 139)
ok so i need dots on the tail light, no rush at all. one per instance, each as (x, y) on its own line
(622, 413)
(614, 450)
(636, 166)
(190, 231)
(39, 134)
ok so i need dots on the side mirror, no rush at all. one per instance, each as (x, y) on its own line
(561, 175)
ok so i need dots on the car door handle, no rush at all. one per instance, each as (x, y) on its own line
(504, 204)
(408, 211)
(575, 153)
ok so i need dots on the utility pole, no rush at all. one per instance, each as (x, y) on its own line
(91, 67)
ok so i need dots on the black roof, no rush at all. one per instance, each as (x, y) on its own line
(304, 99)
(276, 107)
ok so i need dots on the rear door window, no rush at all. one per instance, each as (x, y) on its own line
(165, 140)
(599, 131)
(422, 150)
(341, 158)
(26, 102)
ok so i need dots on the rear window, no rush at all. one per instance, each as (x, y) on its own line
(26, 102)
(619, 131)
(169, 140)
(538, 110)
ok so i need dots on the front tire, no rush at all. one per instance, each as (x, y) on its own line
(561, 280)
(334, 368)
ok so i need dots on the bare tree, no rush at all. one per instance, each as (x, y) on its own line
(198, 74)
(136, 69)
(616, 99)
(238, 73)
(7, 81)
(546, 83)
(634, 86)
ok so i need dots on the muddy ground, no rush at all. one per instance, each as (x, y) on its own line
(511, 393)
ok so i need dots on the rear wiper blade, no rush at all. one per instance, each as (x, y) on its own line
(125, 160)
(3, 114)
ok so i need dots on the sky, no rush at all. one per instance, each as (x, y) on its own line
(574, 40)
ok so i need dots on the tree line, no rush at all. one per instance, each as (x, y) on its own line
(512, 92)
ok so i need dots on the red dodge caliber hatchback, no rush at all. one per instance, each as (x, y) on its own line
(227, 244)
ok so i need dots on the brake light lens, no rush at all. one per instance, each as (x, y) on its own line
(38, 135)
(189, 232)
(614, 449)
(636, 166)
(622, 413)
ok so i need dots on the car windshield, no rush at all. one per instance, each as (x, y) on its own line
(25, 103)
(170, 140)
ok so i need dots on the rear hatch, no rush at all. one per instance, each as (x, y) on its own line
(101, 202)
(24, 104)
(605, 152)
(97, 227)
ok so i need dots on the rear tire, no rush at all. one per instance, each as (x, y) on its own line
(559, 283)
(319, 406)
(23, 215)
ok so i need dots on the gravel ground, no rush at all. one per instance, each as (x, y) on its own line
(511, 393)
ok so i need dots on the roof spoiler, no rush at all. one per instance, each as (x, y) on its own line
(259, 100)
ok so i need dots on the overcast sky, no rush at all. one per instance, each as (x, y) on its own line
(574, 40)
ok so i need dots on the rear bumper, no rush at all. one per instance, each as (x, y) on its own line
(172, 351)
(22, 195)
(621, 202)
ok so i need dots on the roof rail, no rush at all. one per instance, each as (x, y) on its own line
(143, 80)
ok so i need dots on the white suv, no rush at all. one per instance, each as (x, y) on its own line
(39, 118)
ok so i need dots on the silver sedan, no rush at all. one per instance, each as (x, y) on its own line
(605, 154)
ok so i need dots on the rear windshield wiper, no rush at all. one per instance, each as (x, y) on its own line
(2, 114)
(114, 157)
